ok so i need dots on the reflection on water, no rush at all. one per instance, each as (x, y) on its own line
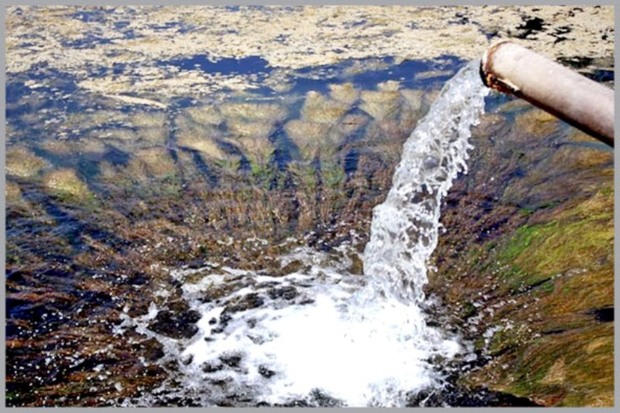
(68, 143)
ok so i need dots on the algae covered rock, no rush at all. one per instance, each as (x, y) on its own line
(253, 112)
(12, 193)
(321, 109)
(537, 123)
(176, 324)
(345, 93)
(155, 162)
(199, 137)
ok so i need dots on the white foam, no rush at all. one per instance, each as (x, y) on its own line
(361, 356)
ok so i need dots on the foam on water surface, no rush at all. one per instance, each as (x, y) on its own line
(321, 333)
(315, 341)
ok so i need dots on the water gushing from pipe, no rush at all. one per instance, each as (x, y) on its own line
(405, 227)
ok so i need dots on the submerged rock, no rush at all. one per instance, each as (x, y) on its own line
(155, 162)
(199, 138)
(247, 302)
(308, 136)
(148, 119)
(285, 293)
(176, 324)
(321, 109)
(13, 194)
(231, 360)
(253, 112)
(58, 148)
(536, 123)
(153, 349)
(453, 396)
(265, 372)
(414, 98)
(345, 93)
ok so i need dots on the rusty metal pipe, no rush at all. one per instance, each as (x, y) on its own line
(582, 102)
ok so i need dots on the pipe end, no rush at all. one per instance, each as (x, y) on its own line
(489, 79)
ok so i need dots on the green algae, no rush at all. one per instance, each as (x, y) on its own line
(570, 369)
(529, 240)
(561, 269)
(577, 239)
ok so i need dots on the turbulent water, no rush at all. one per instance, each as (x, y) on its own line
(321, 336)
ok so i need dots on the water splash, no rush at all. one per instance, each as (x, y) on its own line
(322, 336)
(405, 227)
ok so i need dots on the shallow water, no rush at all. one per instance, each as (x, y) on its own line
(269, 340)
(165, 228)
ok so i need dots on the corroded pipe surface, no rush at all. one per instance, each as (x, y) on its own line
(582, 102)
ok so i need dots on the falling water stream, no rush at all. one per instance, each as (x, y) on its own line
(322, 336)
(405, 227)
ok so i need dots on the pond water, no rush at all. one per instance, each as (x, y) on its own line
(210, 249)
(207, 207)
